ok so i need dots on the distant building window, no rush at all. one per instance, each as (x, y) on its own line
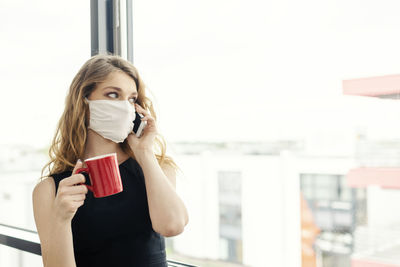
(230, 215)
(337, 209)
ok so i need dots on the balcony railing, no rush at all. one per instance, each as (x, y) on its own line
(28, 241)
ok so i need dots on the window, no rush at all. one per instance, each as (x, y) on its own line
(230, 215)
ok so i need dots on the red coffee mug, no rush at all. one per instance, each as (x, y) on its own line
(103, 174)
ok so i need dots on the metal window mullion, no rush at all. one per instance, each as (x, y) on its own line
(129, 30)
(116, 27)
(112, 28)
(123, 29)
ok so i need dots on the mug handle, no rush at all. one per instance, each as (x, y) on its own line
(84, 170)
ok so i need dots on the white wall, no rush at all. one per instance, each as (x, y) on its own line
(262, 212)
(379, 217)
(198, 189)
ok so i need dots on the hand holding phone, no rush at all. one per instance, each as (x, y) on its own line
(138, 124)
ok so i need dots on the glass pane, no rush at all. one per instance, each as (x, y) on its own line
(42, 49)
(256, 87)
(13, 257)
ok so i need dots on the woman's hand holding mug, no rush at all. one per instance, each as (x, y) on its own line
(70, 195)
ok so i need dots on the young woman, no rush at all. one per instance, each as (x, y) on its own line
(125, 229)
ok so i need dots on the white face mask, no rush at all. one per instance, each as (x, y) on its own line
(112, 119)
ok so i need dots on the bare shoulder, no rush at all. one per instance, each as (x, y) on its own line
(43, 196)
(45, 189)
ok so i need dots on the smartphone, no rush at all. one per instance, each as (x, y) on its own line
(138, 124)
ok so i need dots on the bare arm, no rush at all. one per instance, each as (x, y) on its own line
(53, 216)
(167, 211)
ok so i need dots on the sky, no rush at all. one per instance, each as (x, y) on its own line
(217, 70)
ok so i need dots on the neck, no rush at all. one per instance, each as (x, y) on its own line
(97, 145)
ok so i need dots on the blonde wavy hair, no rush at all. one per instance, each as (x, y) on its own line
(70, 138)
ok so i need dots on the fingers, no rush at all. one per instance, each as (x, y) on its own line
(74, 205)
(73, 190)
(148, 118)
(71, 193)
(78, 198)
(141, 110)
(78, 165)
(73, 180)
(79, 189)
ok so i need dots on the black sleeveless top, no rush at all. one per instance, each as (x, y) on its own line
(116, 230)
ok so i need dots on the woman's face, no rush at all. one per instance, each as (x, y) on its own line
(117, 86)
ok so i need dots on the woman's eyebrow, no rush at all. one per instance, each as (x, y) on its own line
(119, 89)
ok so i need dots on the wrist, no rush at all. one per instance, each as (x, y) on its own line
(60, 220)
(62, 223)
(143, 155)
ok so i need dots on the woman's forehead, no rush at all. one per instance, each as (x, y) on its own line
(119, 81)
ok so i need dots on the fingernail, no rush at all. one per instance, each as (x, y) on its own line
(79, 161)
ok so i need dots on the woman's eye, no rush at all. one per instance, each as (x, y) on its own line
(113, 95)
(132, 100)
